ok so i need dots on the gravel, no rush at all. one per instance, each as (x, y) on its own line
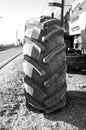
(15, 116)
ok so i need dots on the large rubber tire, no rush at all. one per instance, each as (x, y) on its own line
(44, 65)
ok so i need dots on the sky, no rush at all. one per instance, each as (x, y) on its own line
(14, 13)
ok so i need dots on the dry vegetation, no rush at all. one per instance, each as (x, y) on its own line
(15, 116)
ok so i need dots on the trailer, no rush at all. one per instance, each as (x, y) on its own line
(76, 40)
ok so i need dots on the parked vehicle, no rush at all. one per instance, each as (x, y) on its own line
(76, 40)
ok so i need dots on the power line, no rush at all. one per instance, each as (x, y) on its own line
(67, 5)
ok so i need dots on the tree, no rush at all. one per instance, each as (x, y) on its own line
(65, 21)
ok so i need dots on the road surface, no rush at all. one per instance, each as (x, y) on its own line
(9, 54)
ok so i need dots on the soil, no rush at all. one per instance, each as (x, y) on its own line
(15, 116)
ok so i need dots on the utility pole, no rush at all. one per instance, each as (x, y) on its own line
(59, 5)
(62, 12)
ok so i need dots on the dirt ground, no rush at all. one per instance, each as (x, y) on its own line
(15, 116)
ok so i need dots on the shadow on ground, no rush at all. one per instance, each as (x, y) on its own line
(74, 112)
(77, 71)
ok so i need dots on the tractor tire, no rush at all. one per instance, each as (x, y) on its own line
(44, 65)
